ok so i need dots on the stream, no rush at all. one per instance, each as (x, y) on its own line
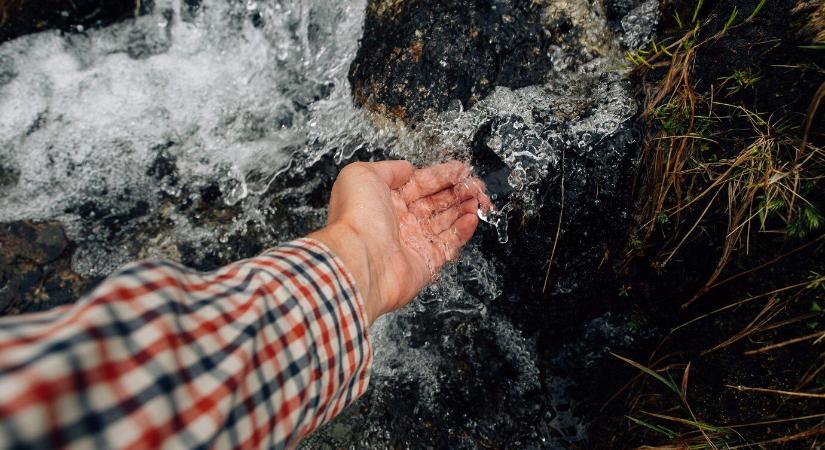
(205, 132)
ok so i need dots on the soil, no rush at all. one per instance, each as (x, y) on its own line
(769, 47)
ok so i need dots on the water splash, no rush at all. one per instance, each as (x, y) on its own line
(163, 136)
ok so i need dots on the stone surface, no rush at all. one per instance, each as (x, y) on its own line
(529, 91)
(559, 155)
(424, 56)
(35, 267)
(19, 17)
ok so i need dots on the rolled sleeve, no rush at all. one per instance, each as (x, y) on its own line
(254, 355)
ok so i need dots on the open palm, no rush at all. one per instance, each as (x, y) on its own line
(410, 221)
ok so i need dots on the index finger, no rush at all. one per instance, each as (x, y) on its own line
(433, 179)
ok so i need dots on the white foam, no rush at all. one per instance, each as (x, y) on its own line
(87, 114)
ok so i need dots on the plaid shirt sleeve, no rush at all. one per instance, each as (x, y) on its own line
(254, 355)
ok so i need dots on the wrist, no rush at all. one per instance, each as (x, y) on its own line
(352, 250)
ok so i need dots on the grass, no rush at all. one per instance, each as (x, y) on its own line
(694, 433)
(746, 184)
(761, 177)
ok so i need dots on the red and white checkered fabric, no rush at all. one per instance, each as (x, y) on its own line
(254, 355)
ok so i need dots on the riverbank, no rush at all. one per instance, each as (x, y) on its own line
(728, 255)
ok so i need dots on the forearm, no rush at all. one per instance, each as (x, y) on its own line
(260, 352)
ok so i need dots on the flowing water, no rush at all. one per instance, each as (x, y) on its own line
(196, 132)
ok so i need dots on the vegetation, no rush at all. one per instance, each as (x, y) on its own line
(698, 156)
(731, 202)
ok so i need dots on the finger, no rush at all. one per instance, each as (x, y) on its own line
(479, 190)
(433, 179)
(427, 206)
(453, 238)
(395, 173)
(441, 201)
(447, 218)
(483, 199)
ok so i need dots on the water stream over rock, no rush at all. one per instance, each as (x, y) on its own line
(206, 131)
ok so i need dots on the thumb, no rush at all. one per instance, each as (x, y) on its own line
(395, 173)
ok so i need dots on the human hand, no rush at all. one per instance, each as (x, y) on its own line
(396, 226)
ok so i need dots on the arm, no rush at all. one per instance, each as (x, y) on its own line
(258, 353)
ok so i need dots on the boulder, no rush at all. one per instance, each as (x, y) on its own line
(547, 120)
(19, 17)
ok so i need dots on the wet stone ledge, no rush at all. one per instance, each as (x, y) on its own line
(530, 70)
(19, 17)
(418, 57)
(35, 268)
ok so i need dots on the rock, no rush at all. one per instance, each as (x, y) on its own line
(547, 121)
(8, 71)
(423, 56)
(147, 38)
(615, 10)
(556, 146)
(19, 17)
(551, 135)
(35, 267)
(8, 176)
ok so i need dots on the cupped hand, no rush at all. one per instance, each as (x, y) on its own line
(395, 226)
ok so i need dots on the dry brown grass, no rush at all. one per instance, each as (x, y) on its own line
(754, 183)
(705, 182)
(814, 28)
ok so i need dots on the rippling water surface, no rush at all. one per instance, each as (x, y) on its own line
(170, 136)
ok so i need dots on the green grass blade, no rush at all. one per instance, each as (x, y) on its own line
(668, 433)
(696, 10)
(730, 19)
(672, 386)
(756, 10)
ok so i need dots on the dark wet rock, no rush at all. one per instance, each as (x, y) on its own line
(420, 56)
(35, 267)
(19, 17)
(164, 167)
(149, 39)
(190, 10)
(7, 69)
(257, 19)
(8, 176)
(424, 56)
(615, 10)
(565, 174)
(110, 217)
